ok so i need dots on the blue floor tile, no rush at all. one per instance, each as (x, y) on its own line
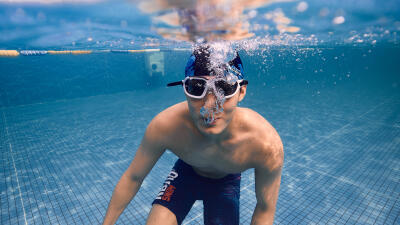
(60, 161)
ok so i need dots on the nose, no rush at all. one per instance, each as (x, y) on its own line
(210, 100)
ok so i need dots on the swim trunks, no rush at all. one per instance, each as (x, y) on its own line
(184, 186)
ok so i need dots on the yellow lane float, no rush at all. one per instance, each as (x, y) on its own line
(9, 53)
(79, 52)
(74, 52)
(58, 52)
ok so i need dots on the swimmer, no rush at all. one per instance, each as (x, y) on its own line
(215, 141)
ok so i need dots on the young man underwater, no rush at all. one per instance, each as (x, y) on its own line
(215, 141)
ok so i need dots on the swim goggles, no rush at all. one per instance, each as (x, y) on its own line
(197, 87)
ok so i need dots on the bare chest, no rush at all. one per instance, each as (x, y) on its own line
(215, 161)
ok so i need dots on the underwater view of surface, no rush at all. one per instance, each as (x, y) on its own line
(81, 80)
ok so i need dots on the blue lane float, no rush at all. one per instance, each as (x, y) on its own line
(32, 52)
(119, 51)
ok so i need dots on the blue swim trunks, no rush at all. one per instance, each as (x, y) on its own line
(184, 186)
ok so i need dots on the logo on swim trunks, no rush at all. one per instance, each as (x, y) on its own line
(168, 193)
(167, 190)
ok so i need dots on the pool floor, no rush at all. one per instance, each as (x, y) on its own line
(61, 160)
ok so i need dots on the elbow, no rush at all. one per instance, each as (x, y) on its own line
(263, 207)
(134, 178)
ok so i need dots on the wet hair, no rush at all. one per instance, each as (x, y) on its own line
(199, 63)
(202, 63)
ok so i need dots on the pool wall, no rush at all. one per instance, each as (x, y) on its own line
(35, 79)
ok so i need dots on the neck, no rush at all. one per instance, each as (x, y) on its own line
(218, 138)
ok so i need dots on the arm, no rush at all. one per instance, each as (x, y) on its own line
(148, 153)
(267, 182)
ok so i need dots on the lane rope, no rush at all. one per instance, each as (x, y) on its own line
(14, 53)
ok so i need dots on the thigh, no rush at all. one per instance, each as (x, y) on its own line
(160, 215)
(221, 206)
(175, 198)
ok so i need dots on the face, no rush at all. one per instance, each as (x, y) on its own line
(211, 114)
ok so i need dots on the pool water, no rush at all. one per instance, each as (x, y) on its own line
(324, 73)
(70, 126)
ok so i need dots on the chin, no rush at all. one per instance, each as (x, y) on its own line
(212, 129)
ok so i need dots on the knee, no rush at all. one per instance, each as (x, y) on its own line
(161, 215)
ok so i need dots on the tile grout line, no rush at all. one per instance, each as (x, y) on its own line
(345, 181)
(187, 222)
(15, 168)
(336, 131)
(247, 186)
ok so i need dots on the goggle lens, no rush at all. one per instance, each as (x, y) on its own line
(226, 87)
(196, 87)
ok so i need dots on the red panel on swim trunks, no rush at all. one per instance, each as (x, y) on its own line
(168, 193)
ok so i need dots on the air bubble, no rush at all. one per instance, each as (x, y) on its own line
(302, 6)
(338, 20)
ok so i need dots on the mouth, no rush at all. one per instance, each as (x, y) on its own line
(214, 122)
(210, 123)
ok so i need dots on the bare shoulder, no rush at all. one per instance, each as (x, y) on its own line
(266, 143)
(166, 122)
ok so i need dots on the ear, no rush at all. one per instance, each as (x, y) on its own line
(242, 92)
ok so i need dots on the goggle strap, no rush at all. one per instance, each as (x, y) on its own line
(243, 82)
(175, 83)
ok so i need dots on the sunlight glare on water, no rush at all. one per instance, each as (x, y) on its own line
(229, 25)
(125, 24)
(205, 21)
